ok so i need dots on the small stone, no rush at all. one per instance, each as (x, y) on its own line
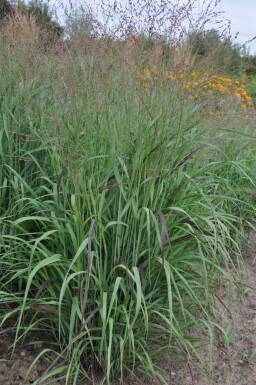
(23, 354)
(3, 368)
(22, 370)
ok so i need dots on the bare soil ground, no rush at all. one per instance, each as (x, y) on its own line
(14, 367)
(233, 366)
(237, 364)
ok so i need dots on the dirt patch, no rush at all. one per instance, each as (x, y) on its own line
(237, 364)
(14, 367)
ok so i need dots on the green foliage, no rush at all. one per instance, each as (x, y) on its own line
(44, 17)
(251, 88)
(121, 213)
(221, 49)
(249, 66)
(5, 9)
(203, 42)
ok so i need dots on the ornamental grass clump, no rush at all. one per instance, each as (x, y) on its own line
(120, 215)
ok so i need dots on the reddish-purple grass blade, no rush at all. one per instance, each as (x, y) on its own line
(142, 276)
(188, 156)
(48, 308)
(131, 285)
(165, 235)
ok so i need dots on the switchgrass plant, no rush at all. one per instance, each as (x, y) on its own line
(121, 214)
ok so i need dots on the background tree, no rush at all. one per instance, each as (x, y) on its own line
(203, 42)
(6, 8)
(217, 47)
(249, 65)
(43, 14)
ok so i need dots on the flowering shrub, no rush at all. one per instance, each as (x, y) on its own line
(197, 86)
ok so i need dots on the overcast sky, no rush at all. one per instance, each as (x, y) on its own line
(241, 13)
